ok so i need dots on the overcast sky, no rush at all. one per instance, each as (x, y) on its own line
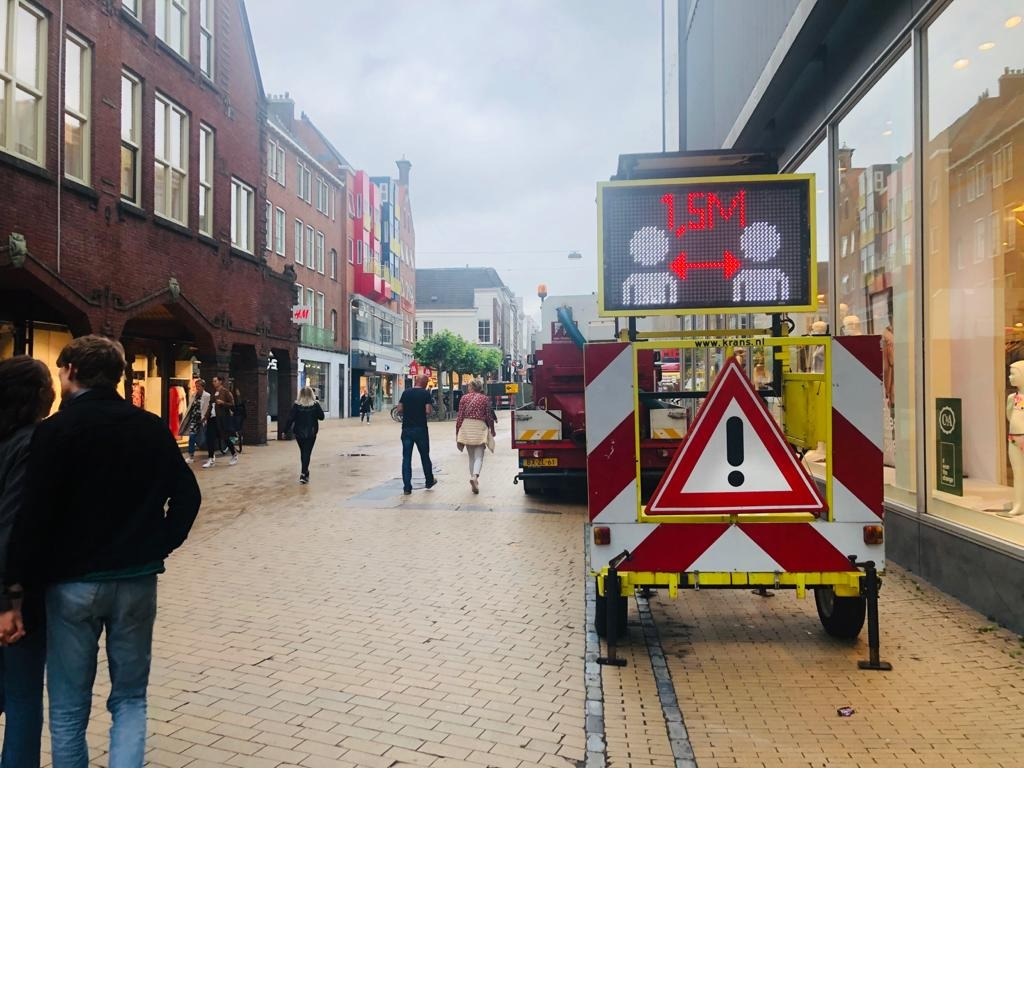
(509, 110)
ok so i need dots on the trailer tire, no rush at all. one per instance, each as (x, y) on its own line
(841, 616)
(601, 617)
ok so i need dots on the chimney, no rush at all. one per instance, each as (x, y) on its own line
(1011, 83)
(403, 171)
(282, 108)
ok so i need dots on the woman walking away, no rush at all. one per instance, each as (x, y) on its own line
(304, 420)
(26, 395)
(365, 407)
(474, 429)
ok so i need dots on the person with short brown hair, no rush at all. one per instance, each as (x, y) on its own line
(218, 424)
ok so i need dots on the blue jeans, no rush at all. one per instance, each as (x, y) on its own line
(420, 437)
(76, 613)
(196, 438)
(21, 693)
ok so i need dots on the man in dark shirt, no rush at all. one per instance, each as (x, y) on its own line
(107, 497)
(414, 407)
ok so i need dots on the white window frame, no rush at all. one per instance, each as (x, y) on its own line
(334, 323)
(304, 181)
(131, 7)
(207, 50)
(164, 106)
(300, 231)
(310, 246)
(483, 331)
(323, 196)
(334, 264)
(268, 237)
(320, 311)
(280, 226)
(320, 243)
(359, 252)
(979, 239)
(1008, 162)
(206, 146)
(387, 334)
(350, 248)
(243, 216)
(80, 115)
(428, 328)
(275, 162)
(13, 85)
(171, 14)
(133, 141)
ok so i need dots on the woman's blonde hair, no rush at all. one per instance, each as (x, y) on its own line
(476, 384)
(306, 397)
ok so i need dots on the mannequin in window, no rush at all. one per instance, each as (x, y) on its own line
(1015, 424)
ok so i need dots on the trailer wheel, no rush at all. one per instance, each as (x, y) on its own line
(601, 617)
(841, 616)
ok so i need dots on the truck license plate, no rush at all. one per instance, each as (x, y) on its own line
(539, 463)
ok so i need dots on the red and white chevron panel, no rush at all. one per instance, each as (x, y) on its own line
(611, 435)
(857, 488)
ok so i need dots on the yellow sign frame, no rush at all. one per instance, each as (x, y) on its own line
(808, 179)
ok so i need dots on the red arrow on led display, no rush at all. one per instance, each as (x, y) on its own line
(729, 265)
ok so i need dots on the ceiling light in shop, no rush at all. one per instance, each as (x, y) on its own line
(961, 64)
(985, 46)
(1012, 22)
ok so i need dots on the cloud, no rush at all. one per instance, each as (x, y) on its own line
(509, 112)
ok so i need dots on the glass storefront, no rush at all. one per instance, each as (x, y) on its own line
(974, 263)
(874, 255)
(317, 375)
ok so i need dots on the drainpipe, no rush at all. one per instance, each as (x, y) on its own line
(60, 121)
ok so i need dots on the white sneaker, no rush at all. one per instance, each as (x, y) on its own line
(190, 459)
(208, 464)
(234, 460)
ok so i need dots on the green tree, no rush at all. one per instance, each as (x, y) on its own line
(440, 351)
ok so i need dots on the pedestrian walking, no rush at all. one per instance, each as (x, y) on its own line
(414, 407)
(474, 429)
(194, 421)
(107, 498)
(365, 407)
(26, 396)
(218, 423)
(237, 435)
(304, 422)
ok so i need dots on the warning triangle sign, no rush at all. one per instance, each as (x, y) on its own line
(734, 459)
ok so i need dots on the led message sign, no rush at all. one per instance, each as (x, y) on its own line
(723, 244)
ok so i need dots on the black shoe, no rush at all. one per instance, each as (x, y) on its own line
(432, 483)
(407, 491)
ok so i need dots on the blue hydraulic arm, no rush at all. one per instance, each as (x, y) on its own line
(569, 325)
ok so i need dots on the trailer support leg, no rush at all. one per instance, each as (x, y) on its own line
(613, 592)
(871, 586)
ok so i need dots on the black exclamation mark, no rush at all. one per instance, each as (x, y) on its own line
(734, 448)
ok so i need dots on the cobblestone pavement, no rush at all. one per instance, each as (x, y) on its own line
(344, 624)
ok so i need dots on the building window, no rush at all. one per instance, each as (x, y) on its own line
(243, 205)
(299, 232)
(170, 150)
(205, 180)
(428, 328)
(323, 195)
(305, 182)
(350, 201)
(359, 253)
(131, 112)
(320, 252)
(172, 24)
(334, 264)
(268, 237)
(334, 323)
(206, 37)
(310, 247)
(350, 248)
(22, 80)
(386, 332)
(77, 85)
(483, 331)
(280, 223)
(275, 162)
(131, 6)
(319, 310)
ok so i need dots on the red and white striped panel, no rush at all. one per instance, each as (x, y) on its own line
(857, 429)
(611, 435)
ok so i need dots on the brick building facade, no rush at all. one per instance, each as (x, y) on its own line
(142, 218)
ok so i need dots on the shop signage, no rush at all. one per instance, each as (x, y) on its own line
(511, 388)
(302, 314)
(949, 450)
(720, 244)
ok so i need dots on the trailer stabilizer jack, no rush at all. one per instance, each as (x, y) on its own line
(871, 586)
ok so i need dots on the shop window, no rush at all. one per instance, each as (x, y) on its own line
(170, 149)
(317, 376)
(131, 113)
(974, 301)
(878, 290)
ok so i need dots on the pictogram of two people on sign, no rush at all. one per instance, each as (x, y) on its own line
(754, 279)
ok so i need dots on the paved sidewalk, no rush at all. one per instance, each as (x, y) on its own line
(343, 624)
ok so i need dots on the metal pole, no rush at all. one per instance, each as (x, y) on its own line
(871, 586)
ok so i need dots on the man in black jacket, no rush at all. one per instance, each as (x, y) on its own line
(107, 497)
